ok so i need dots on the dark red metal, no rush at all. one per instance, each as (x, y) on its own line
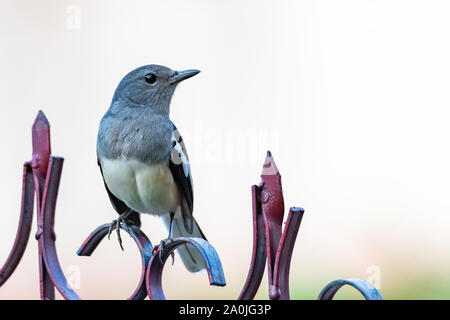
(271, 243)
(143, 243)
(47, 174)
(47, 248)
(280, 278)
(41, 178)
(39, 163)
(154, 270)
(150, 282)
(259, 255)
(23, 231)
(41, 148)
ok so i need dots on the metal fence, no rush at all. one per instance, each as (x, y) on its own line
(271, 242)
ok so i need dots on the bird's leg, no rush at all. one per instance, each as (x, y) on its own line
(164, 242)
(116, 223)
(171, 226)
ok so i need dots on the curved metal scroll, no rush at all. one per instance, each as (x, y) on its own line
(156, 266)
(367, 290)
(143, 243)
(259, 256)
(24, 228)
(270, 241)
(273, 243)
(280, 285)
(41, 177)
(54, 275)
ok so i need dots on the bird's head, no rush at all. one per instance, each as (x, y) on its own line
(151, 86)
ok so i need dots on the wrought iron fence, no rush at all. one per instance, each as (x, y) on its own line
(271, 242)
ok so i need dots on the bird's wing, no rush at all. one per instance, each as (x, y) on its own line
(181, 172)
(119, 205)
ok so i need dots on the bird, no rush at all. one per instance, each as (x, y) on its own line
(143, 158)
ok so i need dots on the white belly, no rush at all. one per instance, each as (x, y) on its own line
(143, 187)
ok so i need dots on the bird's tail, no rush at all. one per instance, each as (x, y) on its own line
(190, 256)
(134, 219)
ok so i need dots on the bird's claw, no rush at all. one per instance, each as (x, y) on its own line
(117, 224)
(161, 246)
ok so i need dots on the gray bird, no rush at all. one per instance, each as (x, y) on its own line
(143, 159)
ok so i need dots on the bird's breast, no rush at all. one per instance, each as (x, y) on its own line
(144, 187)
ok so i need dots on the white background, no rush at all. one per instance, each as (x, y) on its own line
(352, 97)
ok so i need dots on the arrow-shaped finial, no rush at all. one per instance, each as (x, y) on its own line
(41, 143)
(269, 167)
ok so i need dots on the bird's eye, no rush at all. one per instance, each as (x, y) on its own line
(150, 78)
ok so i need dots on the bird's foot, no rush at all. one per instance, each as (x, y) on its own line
(117, 224)
(161, 246)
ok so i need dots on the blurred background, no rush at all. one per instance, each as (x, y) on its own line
(350, 96)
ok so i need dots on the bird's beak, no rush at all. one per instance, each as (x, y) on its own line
(182, 75)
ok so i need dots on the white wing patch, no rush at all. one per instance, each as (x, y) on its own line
(179, 154)
(181, 171)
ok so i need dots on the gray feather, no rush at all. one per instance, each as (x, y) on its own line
(191, 257)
